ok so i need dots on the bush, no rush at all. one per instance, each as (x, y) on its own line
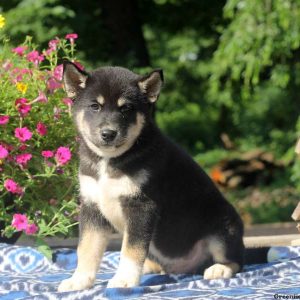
(37, 174)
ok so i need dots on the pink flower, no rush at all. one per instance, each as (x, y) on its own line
(67, 101)
(25, 71)
(7, 146)
(53, 84)
(4, 119)
(71, 37)
(41, 129)
(15, 71)
(31, 229)
(23, 147)
(48, 51)
(41, 98)
(47, 153)
(23, 159)
(52, 47)
(63, 155)
(23, 134)
(49, 164)
(20, 222)
(58, 72)
(56, 113)
(18, 78)
(53, 44)
(7, 65)
(79, 65)
(12, 186)
(35, 57)
(19, 73)
(22, 106)
(3, 152)
(19, 50)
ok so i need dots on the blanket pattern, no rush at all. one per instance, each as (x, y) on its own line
(27, 274)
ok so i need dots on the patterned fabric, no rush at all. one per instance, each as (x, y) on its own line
(27, 274)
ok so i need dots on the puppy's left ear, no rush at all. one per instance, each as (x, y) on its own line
(74, 79)
(151, 84)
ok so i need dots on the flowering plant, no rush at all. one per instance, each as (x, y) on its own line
(37, 142)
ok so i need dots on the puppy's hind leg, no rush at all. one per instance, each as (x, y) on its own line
(150, 266)
(227, 258)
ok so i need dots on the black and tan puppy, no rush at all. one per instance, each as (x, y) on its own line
(134, 180)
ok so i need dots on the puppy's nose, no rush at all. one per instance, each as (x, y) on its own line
(108, 135)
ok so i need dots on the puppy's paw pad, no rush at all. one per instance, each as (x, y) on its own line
(119, 282)
(75, 283)
(218, 271)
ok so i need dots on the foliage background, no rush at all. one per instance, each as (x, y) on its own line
(230, 67)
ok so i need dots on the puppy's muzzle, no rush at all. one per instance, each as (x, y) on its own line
(108, 135)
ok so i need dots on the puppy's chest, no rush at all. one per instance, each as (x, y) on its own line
(109, 190)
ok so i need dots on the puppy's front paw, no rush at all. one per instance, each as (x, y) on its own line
(218, 271)
(123, 282)
(76, 282)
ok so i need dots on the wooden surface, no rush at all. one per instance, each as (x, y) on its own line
(271, 229)
(260, 235)
(270, 240)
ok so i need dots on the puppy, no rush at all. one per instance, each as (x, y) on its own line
(136, 181)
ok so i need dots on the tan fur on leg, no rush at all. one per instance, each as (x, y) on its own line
(151, 266)
(90, 251)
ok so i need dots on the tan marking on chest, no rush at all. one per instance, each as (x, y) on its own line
(107, 191)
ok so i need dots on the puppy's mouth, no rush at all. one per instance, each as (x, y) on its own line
(108, 145)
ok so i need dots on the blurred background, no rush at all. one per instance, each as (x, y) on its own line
(232, 77)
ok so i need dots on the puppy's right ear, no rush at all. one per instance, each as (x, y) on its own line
(74, 79)
(151, 84)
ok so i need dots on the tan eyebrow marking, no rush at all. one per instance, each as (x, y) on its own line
(100, 100)
(121, 101)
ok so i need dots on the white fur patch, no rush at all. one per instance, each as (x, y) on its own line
(128, 274)
(79, 281)
(219, 271)
(82, 84)
(107, 191)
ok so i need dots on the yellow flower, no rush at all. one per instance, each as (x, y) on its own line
(2, 21)
(22, 87)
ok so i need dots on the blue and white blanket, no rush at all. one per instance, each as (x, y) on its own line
(27, 274)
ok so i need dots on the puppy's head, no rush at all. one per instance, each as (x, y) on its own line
(111, 105)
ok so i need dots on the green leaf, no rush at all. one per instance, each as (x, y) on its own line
(44, 248)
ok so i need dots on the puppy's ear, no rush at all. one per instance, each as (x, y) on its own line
(151, 84)
(74, 79)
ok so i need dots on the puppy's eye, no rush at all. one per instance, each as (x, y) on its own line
(126, 107)
(95, 107)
